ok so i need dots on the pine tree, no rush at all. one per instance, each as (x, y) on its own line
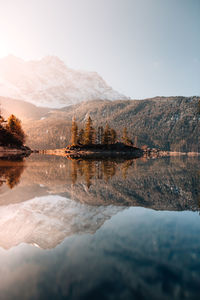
(125, 138)
(81, 137)
(113, 135)
(89, 133)
(107, 137)
(74, 133)
(14, 127)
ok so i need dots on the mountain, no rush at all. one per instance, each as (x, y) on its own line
(170, 123)
(23, 110)
(49, 82)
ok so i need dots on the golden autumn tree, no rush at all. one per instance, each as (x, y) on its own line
(81, 137)
(107, 135)
(15, 128)
(125, 137)
(113, 135)
(89, 132)
(74, 132)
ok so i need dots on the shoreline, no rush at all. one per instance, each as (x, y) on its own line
(151, 153)
(8, 152)
(93, 154)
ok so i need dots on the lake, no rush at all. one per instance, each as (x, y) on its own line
(100, 229)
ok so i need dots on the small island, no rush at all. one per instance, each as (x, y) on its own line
(89, 142)
(12, 138)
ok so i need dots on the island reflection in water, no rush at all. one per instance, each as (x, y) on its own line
(99, 169)
(110, 229)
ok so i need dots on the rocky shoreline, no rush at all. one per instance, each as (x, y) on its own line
(76, 152)
(100, 151)
(79, 153)
(14, 152)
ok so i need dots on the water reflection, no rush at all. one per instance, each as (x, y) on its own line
(10, 172)
(164, 184)
(100, 229)
(68, 193)
(161, 184)
(98, 169)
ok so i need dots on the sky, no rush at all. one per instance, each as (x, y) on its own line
(142, 48)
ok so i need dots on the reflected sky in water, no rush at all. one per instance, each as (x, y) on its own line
(130, 234)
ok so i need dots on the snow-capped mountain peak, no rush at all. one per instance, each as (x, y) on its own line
(49, 82)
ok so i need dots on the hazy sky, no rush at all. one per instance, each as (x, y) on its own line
(142, 48)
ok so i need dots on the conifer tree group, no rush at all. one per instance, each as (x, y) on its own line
(15, 128)
(11, 132)
(102, 136)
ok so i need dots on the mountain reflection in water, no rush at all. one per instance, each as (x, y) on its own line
(102, 239)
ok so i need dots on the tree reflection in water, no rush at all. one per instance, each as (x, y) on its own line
(10, 172)
(98, 169)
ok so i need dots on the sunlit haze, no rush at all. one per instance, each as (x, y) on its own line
(142, 48)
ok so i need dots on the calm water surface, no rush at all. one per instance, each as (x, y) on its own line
(99, 229)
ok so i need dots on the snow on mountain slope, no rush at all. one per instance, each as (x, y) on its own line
(47, 221)
(49, 82)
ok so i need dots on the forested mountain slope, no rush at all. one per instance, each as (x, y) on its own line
(171, 123)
